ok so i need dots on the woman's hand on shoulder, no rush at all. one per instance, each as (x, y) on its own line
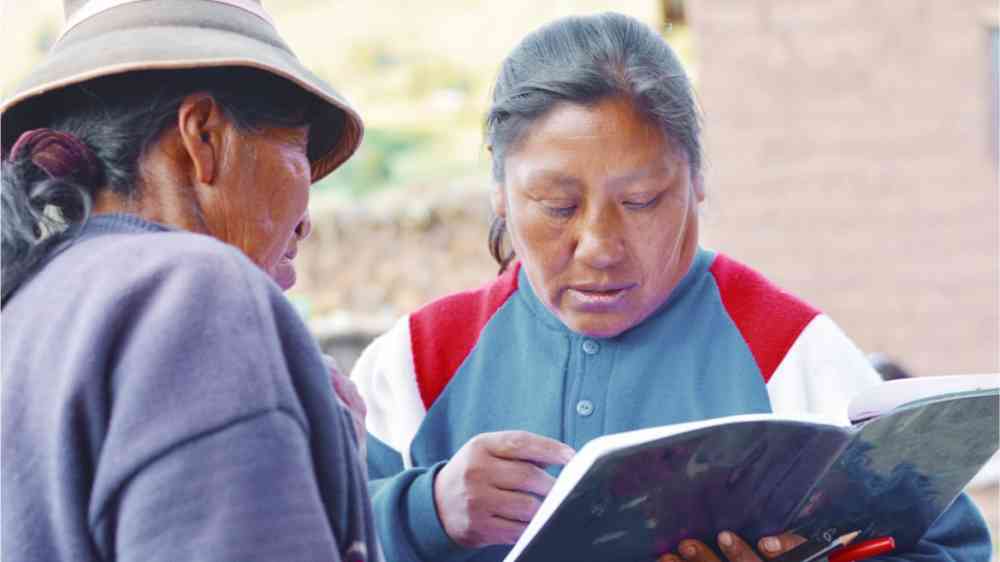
(734, 548)
(491, 488)
(349, 396)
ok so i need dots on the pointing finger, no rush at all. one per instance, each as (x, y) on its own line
(526, 446)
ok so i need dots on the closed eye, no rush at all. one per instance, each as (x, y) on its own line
(640, 203)
(560, 211)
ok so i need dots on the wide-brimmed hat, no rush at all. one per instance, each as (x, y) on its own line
(108, 37)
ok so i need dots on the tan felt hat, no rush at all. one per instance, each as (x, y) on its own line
(106, 37)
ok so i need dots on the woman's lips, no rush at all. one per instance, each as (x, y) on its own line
(284, 273)
(597, 297)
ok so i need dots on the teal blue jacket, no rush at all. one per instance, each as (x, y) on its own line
(726, 342)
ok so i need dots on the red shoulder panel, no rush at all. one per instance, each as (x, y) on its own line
(443, 333)
(768, 318)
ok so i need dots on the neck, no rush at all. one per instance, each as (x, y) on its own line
(164, 206)
(161, 195)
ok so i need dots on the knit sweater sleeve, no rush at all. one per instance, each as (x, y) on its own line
(223, 440)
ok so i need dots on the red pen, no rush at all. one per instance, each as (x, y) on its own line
(863, 550)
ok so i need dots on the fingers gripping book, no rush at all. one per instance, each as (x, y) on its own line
(911, 448)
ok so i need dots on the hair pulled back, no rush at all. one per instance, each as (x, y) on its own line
(583, 60)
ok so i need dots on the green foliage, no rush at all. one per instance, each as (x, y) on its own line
(391, 157)
(374, 165)
(421, 110)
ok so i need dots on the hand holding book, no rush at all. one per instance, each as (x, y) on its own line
(735, 549)
(786, 547)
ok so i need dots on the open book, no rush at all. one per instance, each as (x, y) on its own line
(914, 444)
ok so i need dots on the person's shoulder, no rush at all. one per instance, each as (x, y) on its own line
(172, 257)
(443, 332)
(746, 291)
(136, 273)
(768, 318)
(175, 248)
(452, 324)
(480, 302)
(202, 302)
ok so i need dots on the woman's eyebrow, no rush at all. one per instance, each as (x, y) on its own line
(553, 178)
(558, 178)
(635, 176)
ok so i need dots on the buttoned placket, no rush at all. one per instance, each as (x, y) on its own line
(590, 364)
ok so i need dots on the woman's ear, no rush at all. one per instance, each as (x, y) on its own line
(201, 125)
(698, 184)
(498, 201)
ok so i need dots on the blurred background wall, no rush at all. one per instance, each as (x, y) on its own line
(853, 158)
(851, 151)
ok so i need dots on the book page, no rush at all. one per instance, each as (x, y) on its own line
(600, 447)
(893, 394)
(902, 469)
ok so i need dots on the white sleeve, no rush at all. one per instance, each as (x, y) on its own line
(387, 381)
(821, 373)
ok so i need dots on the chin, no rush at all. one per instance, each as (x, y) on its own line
(600, 328)
(284, 276)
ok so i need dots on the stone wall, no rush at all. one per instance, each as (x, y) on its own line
(368, 262)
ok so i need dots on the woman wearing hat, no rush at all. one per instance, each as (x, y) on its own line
(161, 399)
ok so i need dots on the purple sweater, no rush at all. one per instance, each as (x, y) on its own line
(162, 401)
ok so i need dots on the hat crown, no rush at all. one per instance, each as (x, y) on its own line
(70, 7)
(109, 37)
(75, 10)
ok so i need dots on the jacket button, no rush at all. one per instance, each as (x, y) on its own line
(585, 408)
(591, 347)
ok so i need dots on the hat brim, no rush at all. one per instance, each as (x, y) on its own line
(191, 34)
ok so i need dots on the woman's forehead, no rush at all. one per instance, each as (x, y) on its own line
(534, 171)
(610, 117)
(607, 140)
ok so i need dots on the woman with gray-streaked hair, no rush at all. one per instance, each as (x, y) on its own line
(607, 316)
(162, 401)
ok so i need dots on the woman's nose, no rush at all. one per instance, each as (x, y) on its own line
(304, 227)
(600, 243)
